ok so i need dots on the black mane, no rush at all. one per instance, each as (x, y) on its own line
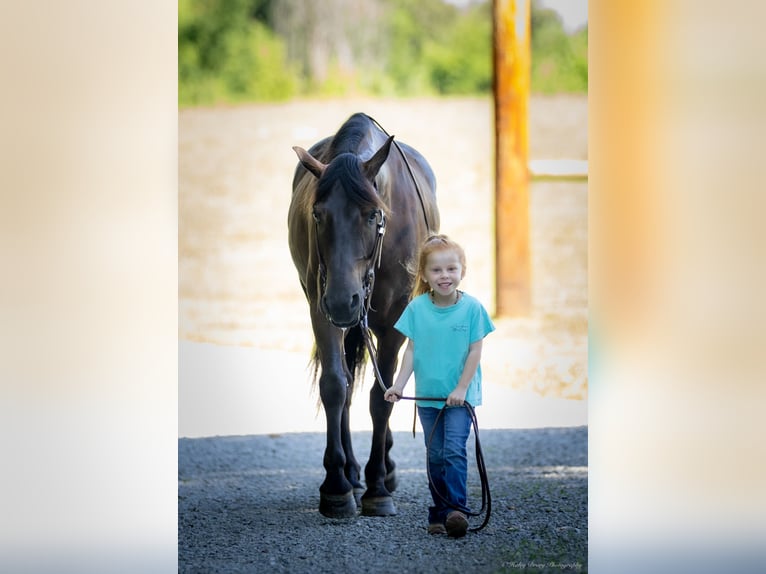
(350, 136)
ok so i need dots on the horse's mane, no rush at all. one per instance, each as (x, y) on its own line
(351, 135)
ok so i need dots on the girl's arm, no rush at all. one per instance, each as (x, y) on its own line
(457, 396)
(396, 390)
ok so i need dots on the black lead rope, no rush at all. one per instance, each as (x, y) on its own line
(486, 497)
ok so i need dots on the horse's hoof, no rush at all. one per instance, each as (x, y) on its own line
(358, 492)
(337, 505)
(392, 481)
(378, 506)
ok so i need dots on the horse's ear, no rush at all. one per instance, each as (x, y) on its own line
(372, 166)
(308, 161)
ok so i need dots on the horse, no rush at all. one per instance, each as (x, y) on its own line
(350, 190)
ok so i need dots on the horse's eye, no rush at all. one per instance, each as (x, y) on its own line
(315, 215)
(373, 217)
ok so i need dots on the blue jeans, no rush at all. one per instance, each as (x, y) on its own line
(447, 458)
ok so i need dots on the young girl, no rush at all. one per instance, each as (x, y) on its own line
(445, 328)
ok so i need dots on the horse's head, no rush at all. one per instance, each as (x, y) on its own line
(349, 217)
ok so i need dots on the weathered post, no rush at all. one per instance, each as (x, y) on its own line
(511, 57)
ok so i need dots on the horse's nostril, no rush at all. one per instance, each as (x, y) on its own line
(354, 300)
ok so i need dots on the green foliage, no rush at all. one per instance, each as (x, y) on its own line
(415, 32)
(229, 51)
(559, 61)
(461, 62)
(226, 56)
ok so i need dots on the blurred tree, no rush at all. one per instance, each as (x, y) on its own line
(225, 55)
(248, 50)
(559, 61)
(330, 38)
(413, 27)
(461, 61)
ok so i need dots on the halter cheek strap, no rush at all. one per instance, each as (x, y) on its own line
(374, 262)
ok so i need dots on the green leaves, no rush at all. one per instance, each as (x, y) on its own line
(227, 56)
(559, 60)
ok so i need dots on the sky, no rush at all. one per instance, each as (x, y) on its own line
(574, 13)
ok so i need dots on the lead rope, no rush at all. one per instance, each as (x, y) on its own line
(486, 497)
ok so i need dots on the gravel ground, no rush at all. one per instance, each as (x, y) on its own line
(250, 504)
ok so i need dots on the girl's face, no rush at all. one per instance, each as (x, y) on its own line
(443, 272)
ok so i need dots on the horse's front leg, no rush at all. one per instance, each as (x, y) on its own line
(379, 472)
(352, 347)
(336, 495)
(352, 469)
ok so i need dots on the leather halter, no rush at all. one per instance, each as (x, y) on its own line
(373, 262)
(374, 259)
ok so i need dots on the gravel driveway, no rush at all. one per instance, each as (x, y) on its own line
(250, 504)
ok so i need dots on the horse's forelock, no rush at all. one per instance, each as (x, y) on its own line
(345, 171)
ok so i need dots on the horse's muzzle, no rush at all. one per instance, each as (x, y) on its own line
(343, 312)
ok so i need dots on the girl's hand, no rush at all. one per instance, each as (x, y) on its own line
(456, 398)
(392, 394)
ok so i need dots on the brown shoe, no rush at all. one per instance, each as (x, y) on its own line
(436, 528)
(457, 524)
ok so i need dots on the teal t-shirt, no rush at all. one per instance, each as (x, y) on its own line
(441, 337)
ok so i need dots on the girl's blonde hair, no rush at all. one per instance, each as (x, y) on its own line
(432, 244)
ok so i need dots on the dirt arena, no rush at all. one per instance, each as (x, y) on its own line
(237, 284)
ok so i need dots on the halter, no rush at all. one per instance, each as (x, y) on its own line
(373, 262)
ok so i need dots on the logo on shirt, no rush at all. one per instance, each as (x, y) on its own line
(460, 328)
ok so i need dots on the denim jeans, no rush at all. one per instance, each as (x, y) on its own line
(447, 458)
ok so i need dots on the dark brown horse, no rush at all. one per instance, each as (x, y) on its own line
(349, 191)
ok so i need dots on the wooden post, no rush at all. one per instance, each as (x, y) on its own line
(511, 57)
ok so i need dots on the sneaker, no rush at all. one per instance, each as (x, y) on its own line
(437, 528)
(457, 524)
